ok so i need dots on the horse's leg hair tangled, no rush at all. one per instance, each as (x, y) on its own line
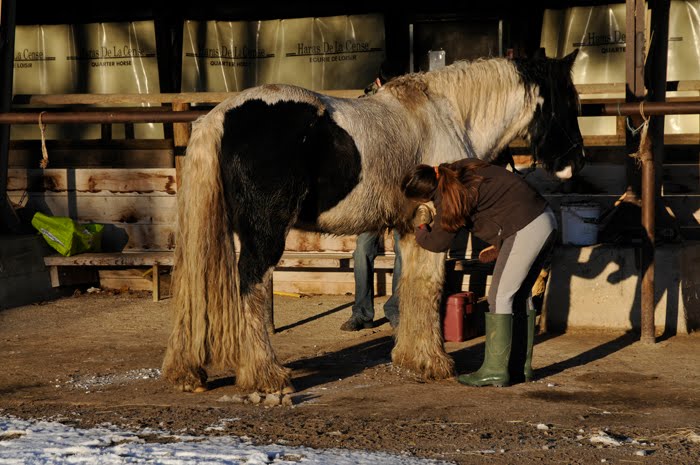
(258, 368)
(204, 276)
(419, 344)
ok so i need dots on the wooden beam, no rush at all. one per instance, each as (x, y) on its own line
(8, 13)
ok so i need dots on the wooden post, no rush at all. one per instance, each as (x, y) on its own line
(181, 137)
(156, 282)
(8, 12)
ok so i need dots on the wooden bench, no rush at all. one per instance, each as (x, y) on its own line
(59, 276)
(289, 260)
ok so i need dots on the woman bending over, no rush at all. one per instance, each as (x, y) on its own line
(503, 210)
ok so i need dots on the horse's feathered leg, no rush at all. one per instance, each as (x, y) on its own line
(262, 244)
(419, 344)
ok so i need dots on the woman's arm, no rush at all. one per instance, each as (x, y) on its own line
(434, 239)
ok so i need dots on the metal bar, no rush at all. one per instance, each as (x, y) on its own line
(641, 184)
(637, 108)
(163, 116)
(648, 335)
(168, 116)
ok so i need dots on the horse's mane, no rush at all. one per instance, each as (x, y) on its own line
(472, 86)
(488, 100)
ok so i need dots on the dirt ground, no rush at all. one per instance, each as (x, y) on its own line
(598, 397)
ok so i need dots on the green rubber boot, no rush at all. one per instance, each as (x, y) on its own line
(529, 374)
(518, 348)
(494, 369)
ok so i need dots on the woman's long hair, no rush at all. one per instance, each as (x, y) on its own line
(457, 187)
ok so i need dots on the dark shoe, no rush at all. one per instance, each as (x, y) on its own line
(393, 318)
(494, 369)
(355, 324)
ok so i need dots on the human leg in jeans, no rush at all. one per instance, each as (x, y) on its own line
(391, 307)
(366, 249)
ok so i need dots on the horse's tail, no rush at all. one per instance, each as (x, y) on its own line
(206, 285)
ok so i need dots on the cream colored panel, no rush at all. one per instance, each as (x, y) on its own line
(599, 33)
(227, 56)
(684, 41)
(99, 58)
(339, 52)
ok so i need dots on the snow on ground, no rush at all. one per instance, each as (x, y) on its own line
(46, 442)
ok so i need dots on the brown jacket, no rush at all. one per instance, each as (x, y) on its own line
(505, 205)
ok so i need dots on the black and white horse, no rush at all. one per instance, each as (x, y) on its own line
(275, 156)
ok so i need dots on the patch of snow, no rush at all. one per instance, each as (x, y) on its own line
(47, 442)
(97, 381)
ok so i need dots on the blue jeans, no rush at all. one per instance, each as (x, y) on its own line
(365, 252)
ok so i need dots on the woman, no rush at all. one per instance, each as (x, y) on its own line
(503, 210)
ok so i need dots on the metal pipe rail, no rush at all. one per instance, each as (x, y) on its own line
(642, 108)
(149, 115)
(104, 117)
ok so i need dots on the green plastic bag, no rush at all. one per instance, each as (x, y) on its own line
(68, 236)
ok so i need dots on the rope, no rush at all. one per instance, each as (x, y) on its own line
(643, 153)
(44, 153)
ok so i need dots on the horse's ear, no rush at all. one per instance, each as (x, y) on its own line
(571, 57)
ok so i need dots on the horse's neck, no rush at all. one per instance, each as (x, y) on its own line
(490, 102)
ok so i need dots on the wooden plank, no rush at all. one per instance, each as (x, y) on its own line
(139, 237)
(329, 260)
(102, 158)
(130, 279)
(112, 259)
(341, 283)
(137, 180)
(92, 144)
(289, 260)
(105, 209)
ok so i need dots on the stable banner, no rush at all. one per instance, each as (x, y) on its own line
(338, 52)
(95, 58)
(599, 32)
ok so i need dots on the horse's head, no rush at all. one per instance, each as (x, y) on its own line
(554, 133)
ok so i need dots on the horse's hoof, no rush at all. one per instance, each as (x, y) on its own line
(187, 387)
(288, 390)
(193, 381)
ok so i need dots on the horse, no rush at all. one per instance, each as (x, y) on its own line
(277, 156)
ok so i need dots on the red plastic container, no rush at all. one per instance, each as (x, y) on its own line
(458, 322)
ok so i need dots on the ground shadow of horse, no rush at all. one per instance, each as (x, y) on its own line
(310, 372)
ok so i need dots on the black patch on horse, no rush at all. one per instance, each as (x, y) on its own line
(279, 162)
(334, 169)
